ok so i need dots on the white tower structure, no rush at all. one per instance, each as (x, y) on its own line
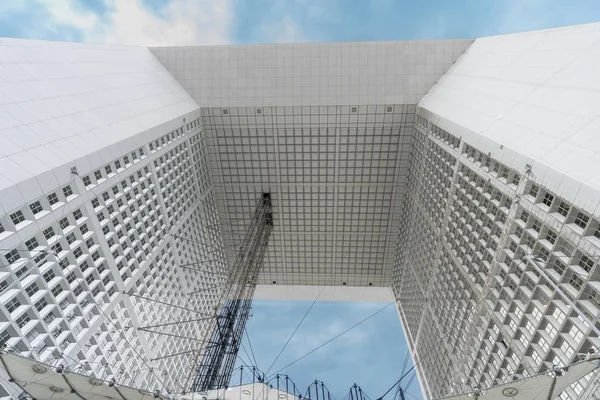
(458, 178)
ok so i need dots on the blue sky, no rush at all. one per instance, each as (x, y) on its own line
(161, 22)
(370, 355)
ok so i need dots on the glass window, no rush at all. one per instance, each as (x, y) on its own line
(533, 190)
(31, 289)
(12, 305)
(576, 282)
(17, 217)
(31, 244)
(64, 223)
(581, 220)
(48, 233)
(36, 207)
(22, 320)
(563, 208)
(67, 191)
(551, 236)
(12, 256)
(586, 263)
(548, 199)
(52, 199)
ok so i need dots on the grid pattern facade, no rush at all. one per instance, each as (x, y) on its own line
(88, 267)
(310, 74)
(463, 287)
(334, 175)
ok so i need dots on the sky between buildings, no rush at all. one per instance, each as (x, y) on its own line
(372, 354)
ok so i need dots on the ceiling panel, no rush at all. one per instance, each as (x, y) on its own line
(334, 174)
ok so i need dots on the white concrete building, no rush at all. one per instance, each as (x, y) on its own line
(423, 172)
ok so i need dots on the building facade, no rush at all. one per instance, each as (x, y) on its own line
(434, 168)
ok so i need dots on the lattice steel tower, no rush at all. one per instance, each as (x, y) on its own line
(217, 363)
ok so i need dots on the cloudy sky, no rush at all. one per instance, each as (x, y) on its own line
(162, 22)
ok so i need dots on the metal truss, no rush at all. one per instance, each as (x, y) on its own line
(216, 366)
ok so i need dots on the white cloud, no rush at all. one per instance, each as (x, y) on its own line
(128, 22)
(64, 13)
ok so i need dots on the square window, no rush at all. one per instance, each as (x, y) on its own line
(71, 238)
(83, 266)
(48, 276)
(576, 282)
(64, 223)
(17, 217)
(551, 236)
(41, 304)
(57, 248)
(12, 304)
(22, 320)
(597, 232)
(77, 214)
(581, 220)
(533, 190)
(48, 233)
(586, 263)
(57, 290)
(595, 299)
(548, 198)
(12, 256)
(36, 207)
(537, 225)
(98, 175)
(563, 208)
(31, 289)
(126, 160)
(52, 199)
(87, 181)
(543, 254)
(31, 244)
(67, 191)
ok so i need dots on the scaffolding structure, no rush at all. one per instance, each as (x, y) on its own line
(216, 366)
